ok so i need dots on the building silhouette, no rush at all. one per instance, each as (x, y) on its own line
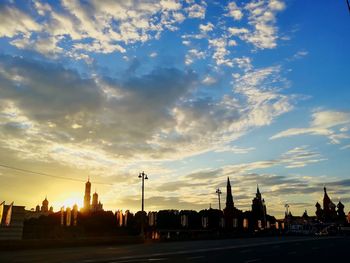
(232, 216)
(96, 205)
(87, 196)
(45, 206)
(330, 212)
(42, 210)
(259, 209)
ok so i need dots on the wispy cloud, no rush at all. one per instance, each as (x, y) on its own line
(332, 124)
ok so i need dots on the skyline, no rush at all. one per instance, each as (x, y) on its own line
(188, 91)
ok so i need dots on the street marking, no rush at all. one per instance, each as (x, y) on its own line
(246, 251)
(198, 257)
(124, 261)
(157, 259)
(252, 260)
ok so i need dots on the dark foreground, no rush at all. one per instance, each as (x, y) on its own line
(269, 249)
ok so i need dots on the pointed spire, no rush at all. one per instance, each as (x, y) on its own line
(229, 198)
(257, 189)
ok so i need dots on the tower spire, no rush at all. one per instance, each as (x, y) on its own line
(229, 209)
(229, 198)
(258, 194)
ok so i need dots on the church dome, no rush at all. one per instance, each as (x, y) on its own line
(45, 202)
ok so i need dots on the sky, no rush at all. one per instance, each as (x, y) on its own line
(191, 92)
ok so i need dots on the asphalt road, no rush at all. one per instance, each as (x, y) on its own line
(269, 249)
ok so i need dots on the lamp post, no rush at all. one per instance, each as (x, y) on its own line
(142, 176)
(218, 191)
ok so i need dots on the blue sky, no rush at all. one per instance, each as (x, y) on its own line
(188, 91)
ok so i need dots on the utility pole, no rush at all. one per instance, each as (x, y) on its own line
(142, 176)
(218, 191)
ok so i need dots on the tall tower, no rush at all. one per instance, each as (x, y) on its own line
(87, 196)
(327, 203)
(229, 198)
(94, 201)
(258, 194)
(259, 209)
(229, 209)
(328, 207)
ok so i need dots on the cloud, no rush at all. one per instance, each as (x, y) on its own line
(294, 158)
(323, 123)
(345, 147)
(263, 17)
(153, 54)
(91, 26)
(245, 175)
(277, 189)
(208, 80)
(139, 107)
(262, 20)
(234, 11)
(243, 63)
(204, 174)
(220, 51)
(261, 93)
(206, 28)
(298, 55)
(301, 157)
(197, 10)
(154, 116)
(15, 22)
(235, 149)
(192, 55)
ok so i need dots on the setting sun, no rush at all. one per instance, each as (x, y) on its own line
(68, 200)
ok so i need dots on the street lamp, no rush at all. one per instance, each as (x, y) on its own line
(218, 191)
(142, 176)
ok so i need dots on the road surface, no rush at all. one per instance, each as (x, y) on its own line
(248, 250)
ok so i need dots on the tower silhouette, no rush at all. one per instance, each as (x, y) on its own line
(229, 198)
(259, 209)
(45, 205)
(87, 196)
(229, 209)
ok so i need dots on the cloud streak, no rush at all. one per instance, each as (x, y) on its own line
(323, 123)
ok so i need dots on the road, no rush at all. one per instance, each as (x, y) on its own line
(248, 250)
